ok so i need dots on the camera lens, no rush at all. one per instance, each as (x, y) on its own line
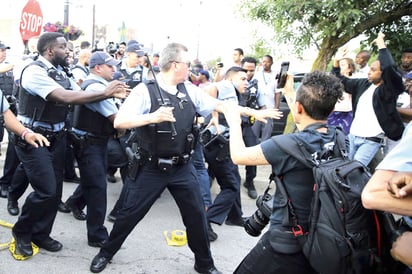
(257, 222)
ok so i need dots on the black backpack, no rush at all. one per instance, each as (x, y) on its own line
(342, 235)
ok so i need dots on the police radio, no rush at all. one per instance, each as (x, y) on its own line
(163, 102)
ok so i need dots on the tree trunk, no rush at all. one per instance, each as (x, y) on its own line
(326, 52)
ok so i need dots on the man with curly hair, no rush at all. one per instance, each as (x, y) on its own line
(278, 251)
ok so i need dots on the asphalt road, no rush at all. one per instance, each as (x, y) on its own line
(145, 250)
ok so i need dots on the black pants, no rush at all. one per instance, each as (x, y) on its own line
(250, 140)
(44, 168)
(141, 194)
(262, 259)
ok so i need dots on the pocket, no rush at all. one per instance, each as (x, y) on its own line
(326, 245)
(284, 242)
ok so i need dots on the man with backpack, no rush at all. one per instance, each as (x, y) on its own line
(279, 250)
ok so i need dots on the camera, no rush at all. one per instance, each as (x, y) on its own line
(219, 65)
(112, 48)
(257, 222)
(284, 67)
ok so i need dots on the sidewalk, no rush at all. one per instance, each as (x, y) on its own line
(145, 250)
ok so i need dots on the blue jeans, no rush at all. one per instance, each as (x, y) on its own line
(361, 149)
(202, 175)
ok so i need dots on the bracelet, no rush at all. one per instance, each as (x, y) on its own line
(24, 132)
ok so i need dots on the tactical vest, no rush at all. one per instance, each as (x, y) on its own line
(91, 121)
(7, 82)
(157, 139)
(132, 79)
(85, 70)
(243, 99)
(36, 107)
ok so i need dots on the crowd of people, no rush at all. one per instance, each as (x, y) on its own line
(81, 116)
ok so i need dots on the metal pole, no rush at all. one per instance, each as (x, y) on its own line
(94, 25)
(66, 13)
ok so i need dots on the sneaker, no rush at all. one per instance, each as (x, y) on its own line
(211, 233)
(251, 190)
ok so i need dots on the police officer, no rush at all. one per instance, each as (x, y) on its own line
(227, 203)
(16, 128)
(92, 126)
(249, 99)
(130, 71)
(163, 113)
(6, 85)
(45, 94)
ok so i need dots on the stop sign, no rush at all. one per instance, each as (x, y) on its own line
(31, 21)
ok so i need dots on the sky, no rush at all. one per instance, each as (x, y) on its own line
(209, 28)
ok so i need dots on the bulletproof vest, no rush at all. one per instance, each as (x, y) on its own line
(132, 79)
(85, 70)
(243, 99)
(157, 139)
(91, 121)
(7, 82)
(36, 107)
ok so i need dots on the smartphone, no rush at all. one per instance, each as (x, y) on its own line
(284, 67)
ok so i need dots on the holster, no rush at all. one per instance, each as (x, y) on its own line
(134, 163)
(18, 141)
(51, 136)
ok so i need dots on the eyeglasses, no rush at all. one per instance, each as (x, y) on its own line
(187, 63)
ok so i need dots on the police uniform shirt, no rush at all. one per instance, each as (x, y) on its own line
(226, 91)
(35, 80)
(129, 70)
(5, 104)
(106, 107)
(138, 102)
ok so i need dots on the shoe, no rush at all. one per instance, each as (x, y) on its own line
(49, 244)
(78, 214)
(23, 247)
(251, 190)
(111, 178)
(63, 208)
(211, 233)
(13, 208)
(111, 217)
(4, 191)
(75, 179)
(99, 263)
(97, 243)
(239, 222)
(211, 270)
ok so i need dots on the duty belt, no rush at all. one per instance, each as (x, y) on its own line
(174, 160)
(49, 134)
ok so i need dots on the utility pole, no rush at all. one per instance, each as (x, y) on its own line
(94, 25)
(66, 13)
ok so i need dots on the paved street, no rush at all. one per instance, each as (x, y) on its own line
(145, 251)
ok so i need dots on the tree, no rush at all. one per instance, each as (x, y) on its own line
(329, 24)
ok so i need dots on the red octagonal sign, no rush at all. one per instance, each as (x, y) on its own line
(31, 21)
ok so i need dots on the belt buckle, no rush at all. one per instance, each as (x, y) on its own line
(175, 159)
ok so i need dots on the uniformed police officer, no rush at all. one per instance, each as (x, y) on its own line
(227, 203)
(45, 94)
(6, 85)
(163, 113)
(92, 126)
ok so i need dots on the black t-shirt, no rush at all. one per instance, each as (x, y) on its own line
(297, 178)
